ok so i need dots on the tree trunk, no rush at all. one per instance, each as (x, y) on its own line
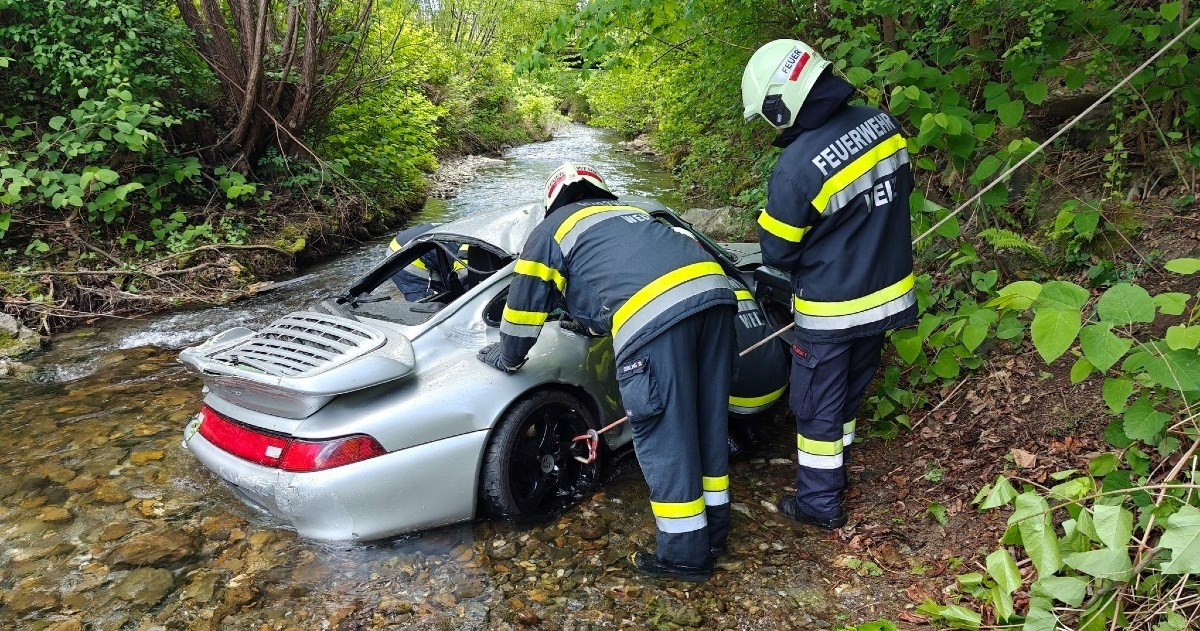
(276, 67)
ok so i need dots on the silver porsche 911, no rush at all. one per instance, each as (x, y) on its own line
(369, 416)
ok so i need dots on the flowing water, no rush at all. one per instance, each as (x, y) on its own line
(107, 522)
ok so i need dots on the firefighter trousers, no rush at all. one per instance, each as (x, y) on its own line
(675, 389)
(828, 382)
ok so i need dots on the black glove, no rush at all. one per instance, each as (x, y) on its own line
(492, 356)
(567, 323)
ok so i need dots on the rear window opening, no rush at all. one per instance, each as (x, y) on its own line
(417, 282)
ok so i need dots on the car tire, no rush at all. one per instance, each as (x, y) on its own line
(529, 466)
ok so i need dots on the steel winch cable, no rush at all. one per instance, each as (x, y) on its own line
(593, 436)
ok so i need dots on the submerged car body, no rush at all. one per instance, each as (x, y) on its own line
(369, 416)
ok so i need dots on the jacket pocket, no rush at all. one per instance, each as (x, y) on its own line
(639, 389)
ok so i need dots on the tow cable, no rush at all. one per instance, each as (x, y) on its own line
(593, 436)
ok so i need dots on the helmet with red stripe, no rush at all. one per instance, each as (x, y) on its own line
(778, 79)
(571, 182)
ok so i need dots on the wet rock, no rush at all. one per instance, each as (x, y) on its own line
(145, 586)
(468, 588)
(55, 515)
(115, 531)
(640, 144)
(453, 174)
(12, 369)
(592, 530)
(240, 590)
(142, 457)
(722, 224)
(218, 527)
(22, 601)
(70, 624)
(82, 484)
(201, 586)
(16, 339)
(503, 550)
(152, 549)
(110, 492)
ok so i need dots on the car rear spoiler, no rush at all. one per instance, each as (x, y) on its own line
(297, 364)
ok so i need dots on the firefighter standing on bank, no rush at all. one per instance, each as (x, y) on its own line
(837, 220)
(669, 309)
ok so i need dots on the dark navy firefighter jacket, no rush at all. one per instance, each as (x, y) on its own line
(622, 273)
(837, 220)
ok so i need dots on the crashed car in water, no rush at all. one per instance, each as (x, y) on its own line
(369, 416)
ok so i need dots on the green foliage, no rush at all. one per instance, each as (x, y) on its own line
(1122, 530)
(1003, 239)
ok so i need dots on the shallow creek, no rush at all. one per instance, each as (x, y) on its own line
(107, 522)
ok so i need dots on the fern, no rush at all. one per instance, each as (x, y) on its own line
(1001, 239)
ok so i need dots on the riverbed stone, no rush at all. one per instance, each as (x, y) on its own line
(55, 515)
(145, 586)
(142, 457)
(110, 492)
(156, 548)
(201, 586)
(721, 224)
(115, 531)
(70, 624)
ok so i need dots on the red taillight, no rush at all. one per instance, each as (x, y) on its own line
(275, 451)
(241, 441)
(303, 455)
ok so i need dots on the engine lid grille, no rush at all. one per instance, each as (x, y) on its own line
(302, 344)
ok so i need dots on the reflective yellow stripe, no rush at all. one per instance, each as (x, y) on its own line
(819, 447)
(849, 426)
(659, 286)
(678, 509)
(394, 246)
(534, 318)
(753, 402)
(584, 213)
(716, 484)
(544, 272)
(847, 307)
(784, 231)
(419, 264)
(855, 169)
(742, 294)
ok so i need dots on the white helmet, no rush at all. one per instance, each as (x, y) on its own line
(572, 181)
(778, 79)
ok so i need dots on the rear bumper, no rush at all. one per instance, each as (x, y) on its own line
(410, 489)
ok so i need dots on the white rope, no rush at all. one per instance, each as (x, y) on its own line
(1060, 132)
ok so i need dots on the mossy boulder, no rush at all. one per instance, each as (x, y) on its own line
(15, 338)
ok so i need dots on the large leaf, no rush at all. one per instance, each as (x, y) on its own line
(1002, 568)
(1114, 525)
(1010, 113)
(1067, 589)
(1124, 303)
(1182, 336)
(1172, 302)
(1060, 294)
(1182, 538)
(1040, 620)
(1018, 295)
(1143, 422)
(1116, 393)
(1108, 563)
(1053, 331)
(1032, 516)
(1002, 493)
(1175, 369)
(1101, 346)
(1183, 266)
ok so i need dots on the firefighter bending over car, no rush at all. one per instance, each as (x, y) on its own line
(837, 220)
(669, 309)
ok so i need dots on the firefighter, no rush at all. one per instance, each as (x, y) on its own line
(759, 378)
(837, 220)
(669, 309)
(423, 277)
